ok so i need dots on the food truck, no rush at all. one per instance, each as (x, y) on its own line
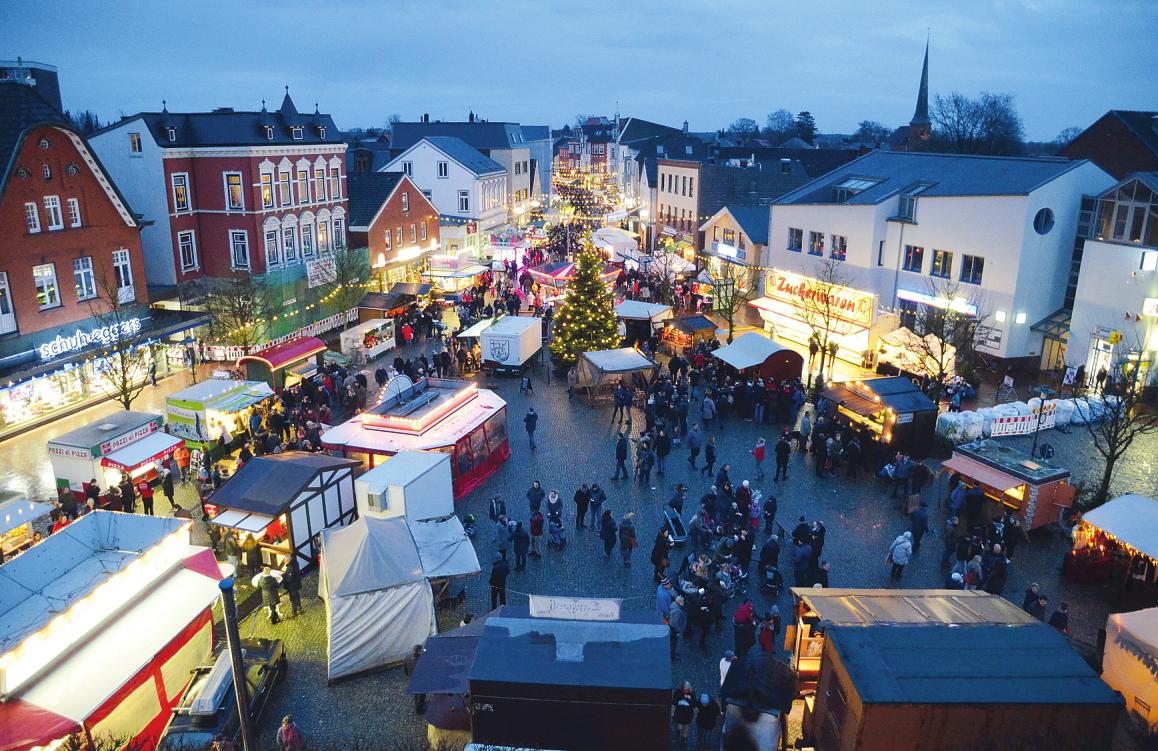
(817, 610)
(284, 365)
(197, 414)
(17, 517)
(131, 443)
(368, 340)
(433, 414)
(1033, 489)
(510, 342)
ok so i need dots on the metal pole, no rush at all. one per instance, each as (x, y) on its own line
(1037, 427)
(229, 608)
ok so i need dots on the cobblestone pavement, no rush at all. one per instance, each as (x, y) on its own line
(575, 445)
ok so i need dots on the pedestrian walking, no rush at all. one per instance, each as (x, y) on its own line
(695, 444)
(683, 710)
(289, 737)
(677, 621)
(621, 450)
(521, 541)
(167, 487)
(531, 421)
(919, 521)
(292, 583)
(899, 554)
(707, 720)
(783, 451)
(582, 501)
(627, 538)
(758, 455)
(607, 533)
(500, 570)
(269, 585)
(709, 457)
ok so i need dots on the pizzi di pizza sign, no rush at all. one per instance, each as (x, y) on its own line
(799, 291)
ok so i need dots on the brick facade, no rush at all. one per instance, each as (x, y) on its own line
(405, 207)
(1114, 147)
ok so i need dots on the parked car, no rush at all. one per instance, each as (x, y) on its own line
(207, 706)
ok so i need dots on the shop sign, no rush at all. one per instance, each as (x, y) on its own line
(71, 452)
(1150, 307)
(846, 303)
(132, 436)
(321, 271)
(102, 335)
(669, 231)
(905, 418)
(575, 608)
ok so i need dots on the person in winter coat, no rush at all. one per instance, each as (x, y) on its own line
(582, 501)
(744, 623)
(679, 496)
(683, 710)
(530, 422)
(498, 508)
(709, 457)
(677, 622)
(770, 509)
(662, 449)
(501, 535)
(899, 554)
(500, 570)
(167, 487)
(270, 592)
(607, 533)
(597, 497)
(621, 451)
(802, 563)
(292, 582)
(538, 526)
(783, 452)
(708, 410)
(627, 538)
(289, 738)
(695, 444)
(659, 552)
(535, 496)
(998, 575)
(805, 432)
(554, 506)
(522, 544)
(758, 454)
(707, 720)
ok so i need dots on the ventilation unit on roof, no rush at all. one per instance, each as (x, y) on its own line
(107, 426)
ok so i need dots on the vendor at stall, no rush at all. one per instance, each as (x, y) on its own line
(18, 521)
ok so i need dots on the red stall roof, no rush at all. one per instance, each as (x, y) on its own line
(983, 474)
(286, 353)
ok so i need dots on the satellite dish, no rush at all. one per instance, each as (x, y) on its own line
(1045, 451)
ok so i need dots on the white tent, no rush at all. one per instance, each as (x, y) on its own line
(378, 601)
(748, 350)
(638, 310)
(1129, 663)
(615, 241)
(1131, 519)
(444, 548)
(606, 365)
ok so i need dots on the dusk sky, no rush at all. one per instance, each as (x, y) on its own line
(1065, 61)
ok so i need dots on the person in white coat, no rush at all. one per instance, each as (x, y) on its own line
(899, 554)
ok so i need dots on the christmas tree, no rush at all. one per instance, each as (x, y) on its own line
(585, 322)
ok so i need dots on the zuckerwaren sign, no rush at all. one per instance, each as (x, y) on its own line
(849, 304)
(103, 335)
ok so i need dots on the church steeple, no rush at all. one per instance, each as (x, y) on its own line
(920, 125)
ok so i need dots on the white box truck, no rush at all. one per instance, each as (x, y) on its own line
(413, 484)
(510, 343)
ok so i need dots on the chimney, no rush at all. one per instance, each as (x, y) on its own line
(471, 117)
(786, 165)
(685, 127)
(426, 117)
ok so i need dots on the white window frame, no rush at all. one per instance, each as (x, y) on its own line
(289, 245)
(191, 237)
(53, 217)
(464, 202)
(74, 212)
(285, 188)
(405, 201)
(47, 171)
(7, 311)
(307, 233)
(236, 235)
(413, 232)
(335, 183)
(408, 169)
(389, 240)
(302, 178)
(267, 190)
(183, 179)
(136, 145)
(422, 230)
(319, 184)
(443, 170)
(272, 243)
(53, 287)
(122, 271)
(338, 238)
(85, 278)
(297, 132)
(32, 217)
(240, 191)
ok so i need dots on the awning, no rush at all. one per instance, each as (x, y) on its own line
(464, 273)
(12, 515)
(286, 353)
(477, 329)
(1055, 326)
(410, 288)
(748, 350)
(140, 452)
(982, 473)
(642, 311)
(236, 402)
(1131, 519)
(245, 521)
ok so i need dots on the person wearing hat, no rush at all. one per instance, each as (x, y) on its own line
(707, 718)
(663, 597)
(726, 664)
(758, 454)
(955, 581)
(500, 570)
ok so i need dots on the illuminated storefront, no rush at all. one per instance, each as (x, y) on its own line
(790, 309)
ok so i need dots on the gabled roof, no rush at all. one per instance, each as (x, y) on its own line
(267, 484)
(482, 134)
(227, 127)
(1149, 179)
(1143, 124)
(463, 153)
(752, 219)
(675, 146)
(636, 129)
(945, 175)
(367, 192)
(21, 109)
(536, 132)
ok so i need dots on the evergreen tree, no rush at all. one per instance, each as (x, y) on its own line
(585, 322)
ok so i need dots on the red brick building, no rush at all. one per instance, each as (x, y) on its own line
(394, 220)
(1121, 142)
(231, 192)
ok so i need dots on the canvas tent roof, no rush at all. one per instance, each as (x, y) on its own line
(643, 311)
(1131, 519)
(595, 367)
(1130, 655)
(856, 607)
(443, 548)
(748, 350)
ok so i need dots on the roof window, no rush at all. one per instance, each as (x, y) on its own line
(843, 191)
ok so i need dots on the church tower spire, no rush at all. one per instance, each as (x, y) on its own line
(920, 125)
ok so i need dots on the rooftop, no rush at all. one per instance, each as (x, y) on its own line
(879, 175)
(267, 484)
(1012, 461)
(420, 406)
(465, 154)
(367, 192)
(107, 428)
(480, 134)
(863, 607)
(21, 108)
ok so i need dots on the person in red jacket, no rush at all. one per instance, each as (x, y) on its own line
(537, 522)
(146, 492)
(758, 453)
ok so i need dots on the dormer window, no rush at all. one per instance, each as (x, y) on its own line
(296, 132)
(322, 132)
(172, 132)
(843, 191)
(269, 132)
(907, 208)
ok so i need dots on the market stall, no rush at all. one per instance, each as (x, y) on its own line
(1129, 664)
(601, 371)
(683, 333)
(284, 365)
(642, 320)
(557, 274)
(365, 341)
(17, 517)
(903, 352)
(454, 272)
(1120, 535)
(435, 414)
(283, 501)
(122, 443)
(509, 343)
(197, 414)
(756, 353)
(413, 484)
(891, 412)
(1032, 489)
(101, 626)
(615, 242)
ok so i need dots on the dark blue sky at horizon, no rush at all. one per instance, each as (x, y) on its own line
(1065, 61)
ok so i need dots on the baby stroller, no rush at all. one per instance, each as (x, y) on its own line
(772, 582)
(556, 535)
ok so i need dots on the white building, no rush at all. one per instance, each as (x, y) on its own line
(458, 179)
(1117, 294)
(997, 233)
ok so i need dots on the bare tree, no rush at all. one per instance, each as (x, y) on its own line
(351, 277)
(662, 272)
(744, 129)
(1114, 423)
(242, 308)
(988, 124)
(870, 131)
(780, 125)
(1066, 137)
(124, 354)
(731, 290)
(823, 309)
(947, 332)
